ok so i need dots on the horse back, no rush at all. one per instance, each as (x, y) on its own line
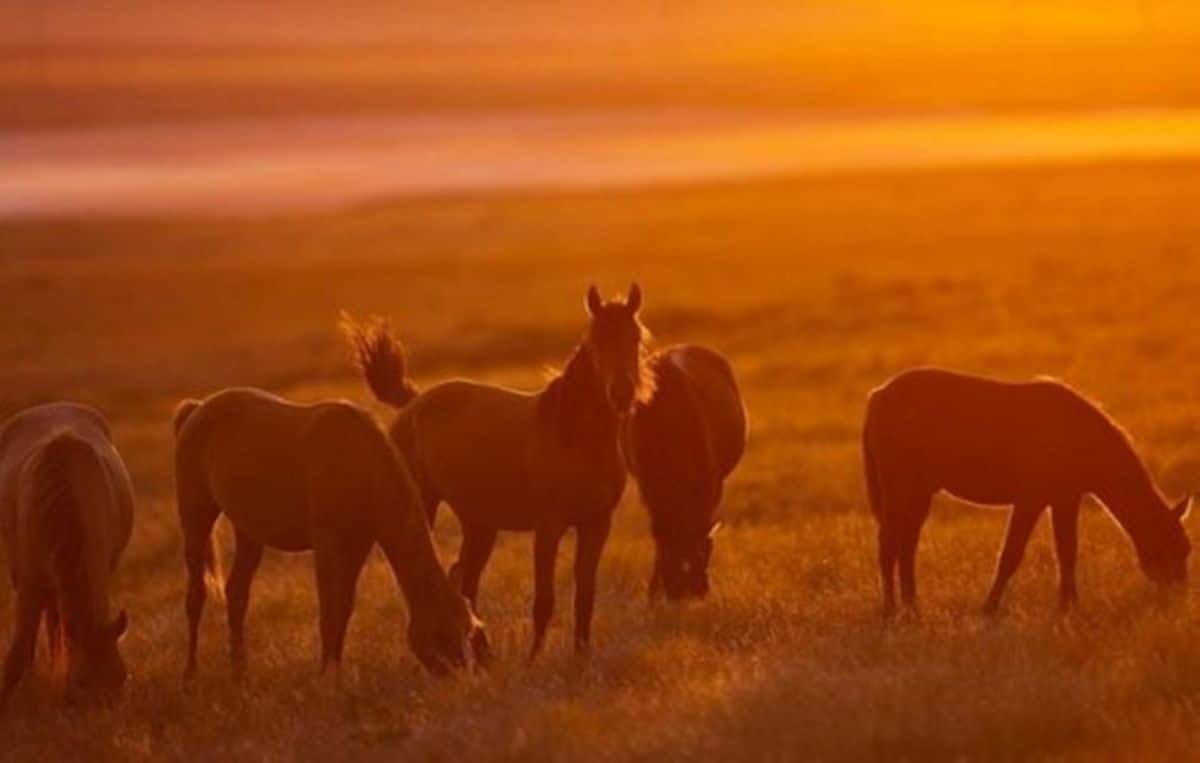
(248, 454)
(719, 400)
(983, 440)
(476, 446)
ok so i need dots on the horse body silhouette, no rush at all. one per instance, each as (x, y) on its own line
(506, 460)
(66, 515)
(1028, 445)
(680, 445)
(318, 477)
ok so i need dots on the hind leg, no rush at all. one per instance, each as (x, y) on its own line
(197, 551)
(246, 558)
(909, 536)
(655, 575)
(1021, 522)
(338, 564)
(477, 546)
(30, 603)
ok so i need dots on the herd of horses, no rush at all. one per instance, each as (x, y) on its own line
(325, 478)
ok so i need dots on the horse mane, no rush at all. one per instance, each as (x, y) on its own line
(380, 358)
(62, 521)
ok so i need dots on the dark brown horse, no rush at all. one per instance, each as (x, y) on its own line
(514, 461)
(319, 477)
(1029, 445)
(680, 445)
(66, 514)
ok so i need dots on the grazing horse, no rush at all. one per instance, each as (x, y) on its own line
(680, 446)
(1030, 446)
(66, 514)
(514, 461)
(319, 477)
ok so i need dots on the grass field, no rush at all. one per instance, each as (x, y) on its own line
(818, 289)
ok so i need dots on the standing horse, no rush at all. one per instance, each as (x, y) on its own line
(514, 461)
(680, 445)
(319, 477)
(1028, 445)
(66, 514)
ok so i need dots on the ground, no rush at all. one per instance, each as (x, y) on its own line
(818, 290)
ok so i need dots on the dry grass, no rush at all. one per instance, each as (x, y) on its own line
(819, 290)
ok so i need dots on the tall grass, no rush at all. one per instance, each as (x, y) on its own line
(818, 290)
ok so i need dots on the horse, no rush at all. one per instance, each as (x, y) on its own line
(680, 445)
(1028, 445)
(321, 478)
(505, 460)
(66, 514)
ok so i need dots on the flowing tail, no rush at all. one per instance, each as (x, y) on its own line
(212, 559)
(380, 358)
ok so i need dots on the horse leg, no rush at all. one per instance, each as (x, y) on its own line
(430, 504)
(588, 548)
(1021, 522)
(656, 575)
(338, 564)
(546, 538)
(888, 554)
(909, 532)
(198, 519)
(54, 636)
(1065, 518)
(477, 546)
(30, 603)
(246, 557)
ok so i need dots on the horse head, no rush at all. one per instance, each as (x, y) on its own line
(615, 343)
(95, 668)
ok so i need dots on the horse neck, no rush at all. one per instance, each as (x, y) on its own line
(1127, 490)
(408, 545)
(573, 407)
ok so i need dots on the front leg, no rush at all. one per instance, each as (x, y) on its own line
(30, 603)
(546, 537)
(589, 546)
(1065, 518)
(1021, 522)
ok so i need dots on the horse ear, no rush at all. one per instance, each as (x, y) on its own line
(594, 303)
(116, 631)
(716, 528)
(1182, 509)
(634, 300)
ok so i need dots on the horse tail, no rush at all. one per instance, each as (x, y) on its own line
(380, 358)
(66, 472)
(870, 468)
(182, 412)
